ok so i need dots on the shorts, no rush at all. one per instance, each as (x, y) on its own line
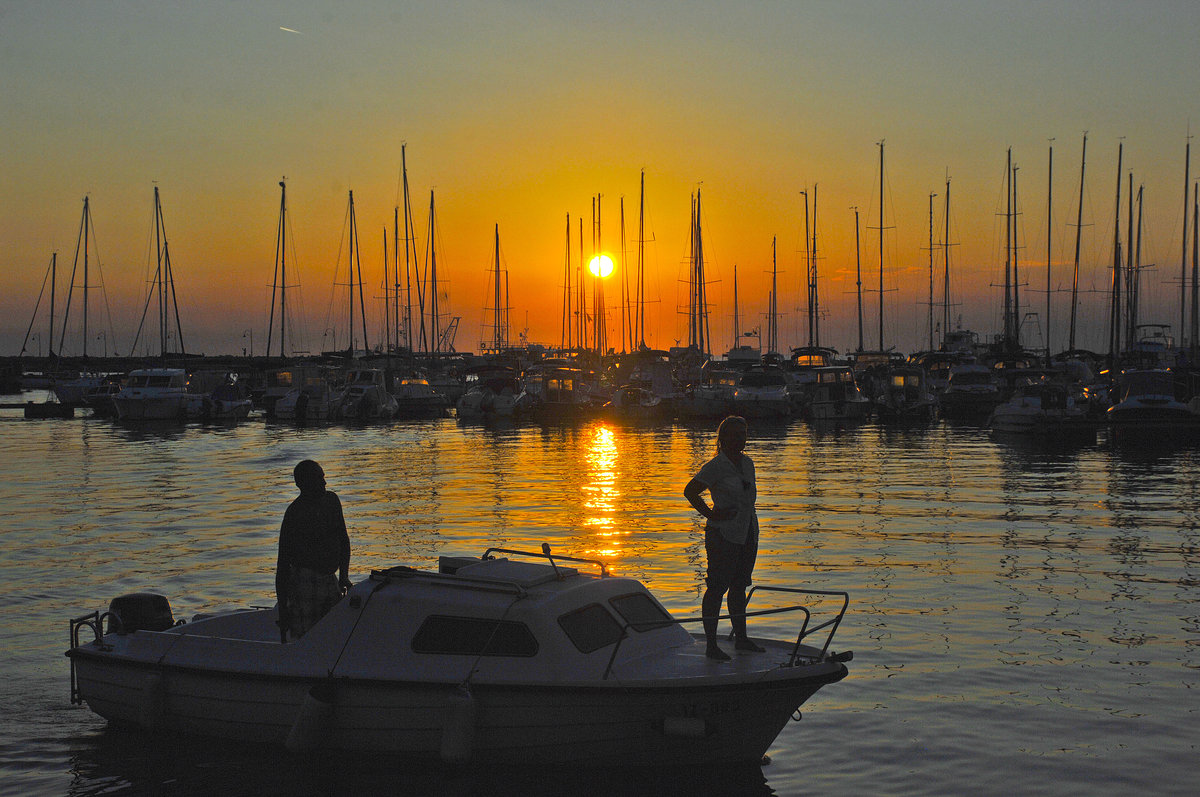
(729, 564)
(310, 597)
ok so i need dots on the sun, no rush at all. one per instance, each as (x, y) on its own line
(601, 266)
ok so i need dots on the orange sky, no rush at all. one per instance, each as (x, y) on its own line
(518, 114)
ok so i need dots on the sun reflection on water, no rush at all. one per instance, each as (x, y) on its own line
(601, 494)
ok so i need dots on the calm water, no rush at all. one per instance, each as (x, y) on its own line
(1024, 620)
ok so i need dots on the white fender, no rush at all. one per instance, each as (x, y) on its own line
(153, 702)
(458, 730)
(312, 722)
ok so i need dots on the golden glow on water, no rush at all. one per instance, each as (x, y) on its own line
(601, 494)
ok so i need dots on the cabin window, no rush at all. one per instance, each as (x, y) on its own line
(640, 611)
(473, 636)
(591, 628)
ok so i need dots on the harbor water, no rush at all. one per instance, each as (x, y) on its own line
(1025, 618)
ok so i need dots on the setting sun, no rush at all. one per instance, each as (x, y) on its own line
(601, 266)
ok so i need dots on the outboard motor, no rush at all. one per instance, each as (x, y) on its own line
(140, 611)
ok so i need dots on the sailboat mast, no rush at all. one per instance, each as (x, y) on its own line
(1114, 316)
(1195, 336)
(86, 281)
(564, 339)
(816, 295)
(881, 227)
(600, 327)
(1016, 263)
(282, 249)
(737, 329)
(498, 321)
(641, 279)
(1135, 273)
(159, 277)
(1049, 228)
(410, 263)
(167, 282)
(53, 283)
(807, 276)
(932, 195)
(387, 298)
(435, 342)
(580, 294)
(350, 318)
(1187, 162)
(626, 308)
(1129, 270)
(1078, 234)
(701, 288)
(1008, 210)
(858, 279)
(773, 329)
(396, 286)
(279, 283)
(946, 266)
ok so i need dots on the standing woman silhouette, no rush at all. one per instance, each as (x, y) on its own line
(730, 533)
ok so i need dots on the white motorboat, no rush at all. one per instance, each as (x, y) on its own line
(831, 394)
(527, 659)
(313, 397)
(905, 396)
(416, 398)
(366, 397)
(972, 393)
(762, 392)
(1146, 396)
(73, 389)
(493, 392)
(155, 394)
(1045, 409)
(228, 401)
(712, 395)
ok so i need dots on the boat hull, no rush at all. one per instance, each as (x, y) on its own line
(150, 408)
(586, 724)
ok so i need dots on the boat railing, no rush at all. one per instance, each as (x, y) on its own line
(805, 629)
(95, 622)
(481, 584)
(552, 558)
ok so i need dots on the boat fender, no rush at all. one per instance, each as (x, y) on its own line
(313, 720)
(686, 727)
(140, 611)
(153, 702)
(458, 730)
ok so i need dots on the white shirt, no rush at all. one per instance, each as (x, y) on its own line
(732, 486)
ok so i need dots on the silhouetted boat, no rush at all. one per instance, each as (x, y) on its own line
(1147, 396)
(971, 394)
(492, 661)
(1044, 409)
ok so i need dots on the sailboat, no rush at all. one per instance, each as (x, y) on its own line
(162, 290)
(742, 354)
(870, 367)
(72, 389)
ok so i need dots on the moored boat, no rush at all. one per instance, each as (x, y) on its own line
(762, 392)
(154, 394)
(1045, 409)
(972, 393)
(366, 397)
(832, 395)
(488, 660)
(1146, 396)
